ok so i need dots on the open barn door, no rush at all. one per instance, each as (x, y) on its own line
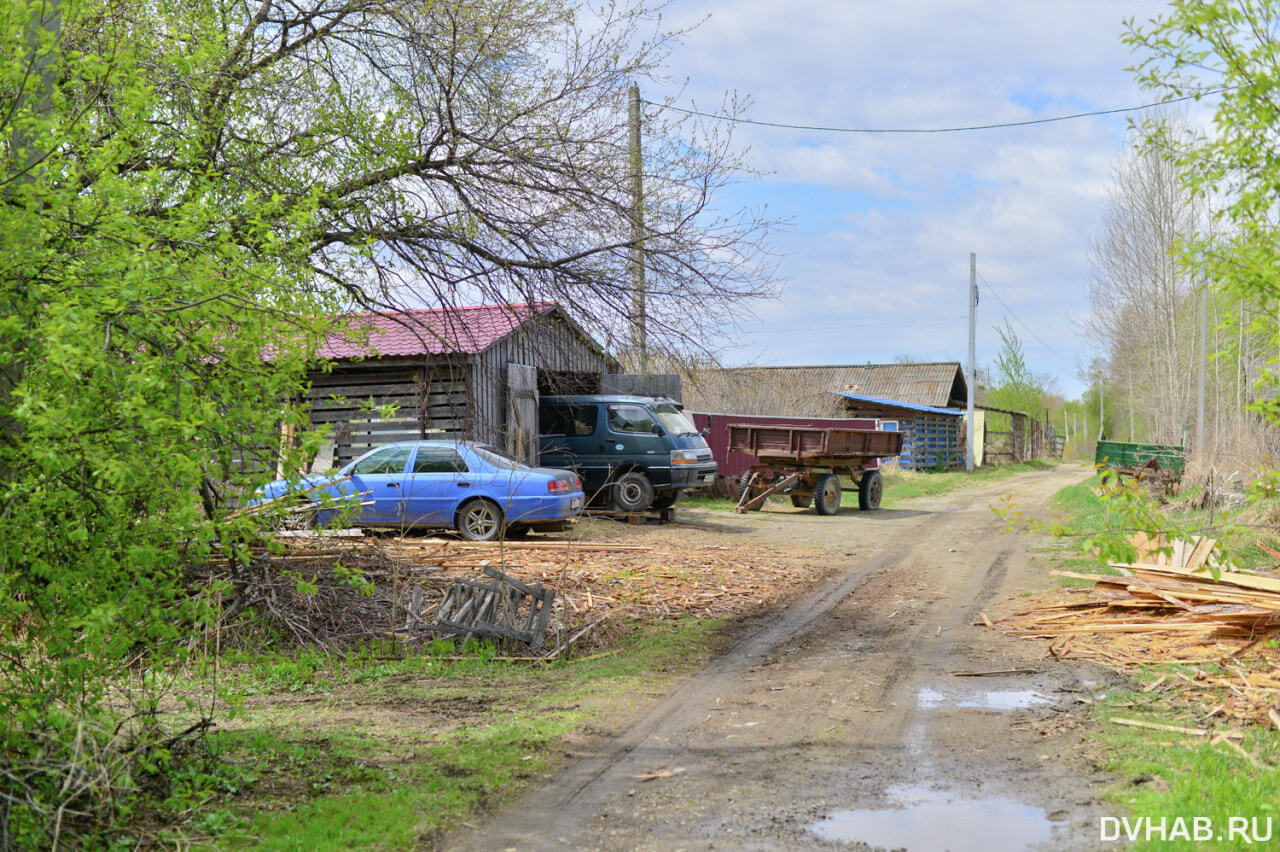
(522, 413)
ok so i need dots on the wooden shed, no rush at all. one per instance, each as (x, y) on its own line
(932, 438)
(471, 372)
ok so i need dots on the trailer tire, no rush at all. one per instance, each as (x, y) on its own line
(633, 492)
(870, 490)
(826, 494)
(802, 501)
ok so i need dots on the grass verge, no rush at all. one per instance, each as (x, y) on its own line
(1180, 778)
(362, 753)
(1176, 788)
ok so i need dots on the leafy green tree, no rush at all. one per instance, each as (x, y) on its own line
(1014, 386)
(1225, 50)
(188, 191)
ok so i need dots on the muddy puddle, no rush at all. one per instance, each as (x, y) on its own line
(997, 699)
(923, 820)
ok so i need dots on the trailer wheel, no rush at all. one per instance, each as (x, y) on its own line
(744, 488)
(870, 490)
(633, 492)
(826, 494)
(802, 501)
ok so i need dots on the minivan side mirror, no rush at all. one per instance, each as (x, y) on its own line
(657, 429)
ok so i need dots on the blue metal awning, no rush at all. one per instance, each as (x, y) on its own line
(875, 400)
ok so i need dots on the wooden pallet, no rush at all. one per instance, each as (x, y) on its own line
(653, 516)
(504, 610)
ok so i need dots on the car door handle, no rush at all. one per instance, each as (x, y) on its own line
(393, 484)
(464, 484)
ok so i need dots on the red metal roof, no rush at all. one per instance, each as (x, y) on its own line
(433, 331)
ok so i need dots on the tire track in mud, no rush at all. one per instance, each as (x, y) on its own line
(817, 706)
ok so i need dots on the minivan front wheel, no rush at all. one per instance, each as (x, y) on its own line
(632, 492)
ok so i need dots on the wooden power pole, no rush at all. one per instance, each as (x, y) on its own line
(639, 340)
(973, 311)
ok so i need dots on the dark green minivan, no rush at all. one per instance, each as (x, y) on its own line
(636, 452)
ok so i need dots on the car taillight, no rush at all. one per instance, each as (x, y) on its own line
(558, 486)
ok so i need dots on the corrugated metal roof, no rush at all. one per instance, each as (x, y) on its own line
(896, 403)
(434, 331)
(807, 391)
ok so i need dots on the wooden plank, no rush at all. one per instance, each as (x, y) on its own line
(544, 615)
(1234, 578)
(1200, 553)
(1156, 726)
(512, 581)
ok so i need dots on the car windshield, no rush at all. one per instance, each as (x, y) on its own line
(674, 420)
(498, 460)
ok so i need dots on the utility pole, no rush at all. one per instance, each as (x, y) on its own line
(1131, 403)
(1102, 403)
(1204, 322)
(639, 340)
(973, 312)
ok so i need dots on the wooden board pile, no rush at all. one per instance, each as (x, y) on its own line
(1166, 607)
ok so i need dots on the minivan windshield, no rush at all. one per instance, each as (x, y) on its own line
(674, 420)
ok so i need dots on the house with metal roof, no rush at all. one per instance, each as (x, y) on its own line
(807, 391)
(468, 372)
(923, 401)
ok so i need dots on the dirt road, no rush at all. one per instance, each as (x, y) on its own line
(841, 720)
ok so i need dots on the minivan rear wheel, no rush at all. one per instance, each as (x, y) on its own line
(633, 492)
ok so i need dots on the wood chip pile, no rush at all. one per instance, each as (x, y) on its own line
(599, 586)
(620, 581)
(1168, 608)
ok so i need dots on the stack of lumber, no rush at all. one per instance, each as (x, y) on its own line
(1169, 608)
(1170, 590)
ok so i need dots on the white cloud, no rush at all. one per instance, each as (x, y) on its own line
(885, 223)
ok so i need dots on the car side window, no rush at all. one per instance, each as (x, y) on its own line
(438, 460)
(584, 420)
(555, 420)
(386, 460)
(630, 418)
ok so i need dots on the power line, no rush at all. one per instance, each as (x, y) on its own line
(963, 129)
(892, 324)
(1063, 358)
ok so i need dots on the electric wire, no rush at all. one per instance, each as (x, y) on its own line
(961, 129)
(890, 324)
(1062, 357)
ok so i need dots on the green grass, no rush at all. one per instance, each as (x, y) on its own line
(1168, 774)
(908, 485)
(313, 775)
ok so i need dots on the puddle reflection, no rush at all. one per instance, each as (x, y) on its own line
(994, 700)
(931, 820)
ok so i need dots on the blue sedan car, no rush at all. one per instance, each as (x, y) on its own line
(457, 485)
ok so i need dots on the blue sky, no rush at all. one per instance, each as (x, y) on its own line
(876, 261)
